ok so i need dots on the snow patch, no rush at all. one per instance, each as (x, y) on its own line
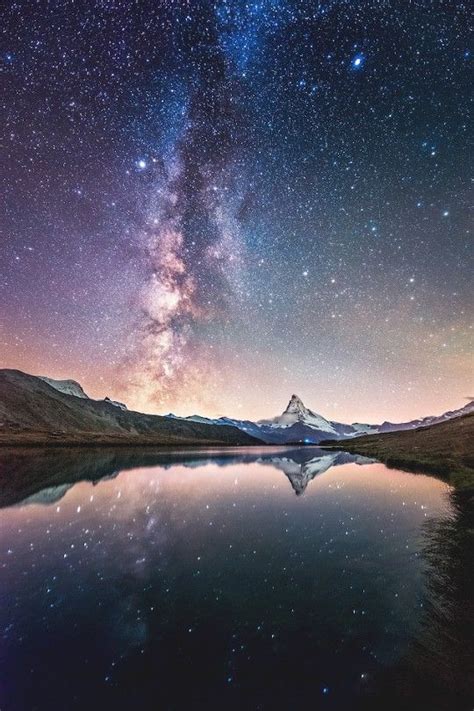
(68, 387)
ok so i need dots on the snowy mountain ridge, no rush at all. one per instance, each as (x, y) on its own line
(68, 387)
(299, 424)
(296, 424)
(72, 387)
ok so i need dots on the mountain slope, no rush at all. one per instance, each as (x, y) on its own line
(445, 448)
(33, 411)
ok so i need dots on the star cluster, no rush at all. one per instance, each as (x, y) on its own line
(209, 206)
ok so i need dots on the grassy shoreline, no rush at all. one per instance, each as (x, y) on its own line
(445, 450)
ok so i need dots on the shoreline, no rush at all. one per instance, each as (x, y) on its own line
(445, 450)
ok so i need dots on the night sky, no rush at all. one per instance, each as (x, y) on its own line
(209, 206)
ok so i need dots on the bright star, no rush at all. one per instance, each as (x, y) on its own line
(358, 61)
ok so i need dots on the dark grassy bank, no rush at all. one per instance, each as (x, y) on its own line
(445, 449)
(166, 440)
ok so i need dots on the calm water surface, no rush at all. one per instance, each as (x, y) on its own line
(273, 578)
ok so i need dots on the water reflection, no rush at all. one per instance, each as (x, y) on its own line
(45, 475)
(444, 654)
(448, 624)
(199, 580)
(302, 465)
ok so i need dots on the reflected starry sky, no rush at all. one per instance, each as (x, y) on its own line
(209, 206)
(110, 592)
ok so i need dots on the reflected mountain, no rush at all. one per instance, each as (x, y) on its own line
(43, 476)
(50, 495)
(301, 466)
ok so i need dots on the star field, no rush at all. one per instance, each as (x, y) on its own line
(208, 206)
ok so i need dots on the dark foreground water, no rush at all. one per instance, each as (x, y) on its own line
(250, 579)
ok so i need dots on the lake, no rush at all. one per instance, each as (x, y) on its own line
(292, 578)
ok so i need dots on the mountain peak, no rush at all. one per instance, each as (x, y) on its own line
(296, 406)
(296, 398)
(300, 416)
(68, 387)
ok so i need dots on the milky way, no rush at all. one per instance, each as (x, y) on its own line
(193, 246)
(209, 206)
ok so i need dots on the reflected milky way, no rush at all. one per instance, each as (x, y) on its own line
(118, 572)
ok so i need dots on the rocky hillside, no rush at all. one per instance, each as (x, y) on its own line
(32, 411)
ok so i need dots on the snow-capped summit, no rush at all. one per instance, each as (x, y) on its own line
(297, 412)
(72, 387)
(68, 387)
(296, 407)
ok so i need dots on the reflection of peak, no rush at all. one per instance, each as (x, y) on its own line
(301, 473)
(303, 465)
